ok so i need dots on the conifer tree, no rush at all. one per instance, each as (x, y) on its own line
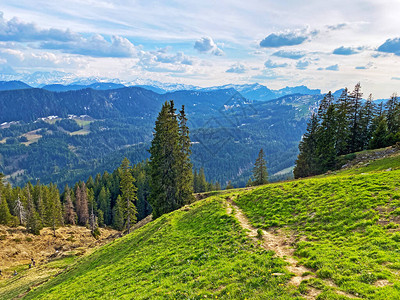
(54, 209)
(82, 209)
(195, 181)
(393, 119)
(33, 222)
(342, 115)
(5, 215)
(164, 161)
(128, 194)
(37, 195)
(355, 141)
(306, 163)
(185, 180)
(380, 135)
(366, 122)
(260, 173)
(118, 214)
(69, 212)
(201, 181)
(229, 186)
(326, 135)
(104, 204)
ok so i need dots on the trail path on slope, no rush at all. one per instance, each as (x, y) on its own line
(278, 242)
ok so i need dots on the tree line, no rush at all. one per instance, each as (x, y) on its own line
(118, 199)
(346, 125)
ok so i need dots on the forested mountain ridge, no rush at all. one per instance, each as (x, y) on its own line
(227, 131)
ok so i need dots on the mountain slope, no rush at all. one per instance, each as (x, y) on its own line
(345, 226)
(13, 85)
(227, 132)
(197, 252)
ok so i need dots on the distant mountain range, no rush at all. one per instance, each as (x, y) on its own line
(256, 92)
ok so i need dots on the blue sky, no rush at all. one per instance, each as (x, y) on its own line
(321, 44)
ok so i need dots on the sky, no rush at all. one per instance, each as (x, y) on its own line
(321, 44)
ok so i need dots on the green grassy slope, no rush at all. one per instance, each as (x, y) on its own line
(347, 226)
(194, 253)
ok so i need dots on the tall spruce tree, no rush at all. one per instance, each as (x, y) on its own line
(355, 140)
(185, 180)
(69, 211)
(128, 194)
(33, 222)
(164, 162)
(5, 215)
(366, 122)
(53, 209)
(393, 119)
(260, 173)
(326, 135)
(306, 163)
(343, 120)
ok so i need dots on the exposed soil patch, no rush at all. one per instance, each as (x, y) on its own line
(17, 247)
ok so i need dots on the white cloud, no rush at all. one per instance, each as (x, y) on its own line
(207, 45)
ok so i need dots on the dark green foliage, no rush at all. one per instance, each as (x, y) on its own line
(68, 125)
(5, 215)
(306, 163)
(260, 173)
(128, 194)
(126, 131)
(53, 208)
(346, 126)
(33, 221)
(185, 173)
(380, 135)
(170, 150)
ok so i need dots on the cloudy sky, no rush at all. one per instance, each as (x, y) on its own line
(207, 43)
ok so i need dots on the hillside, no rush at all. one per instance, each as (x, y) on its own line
(197, 252)
(339, 235)
(51, 254)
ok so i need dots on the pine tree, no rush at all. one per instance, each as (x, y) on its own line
(380, 134)
(306, 163)
(366, 122)
(393, 119)
(69, 212)
(355, 140)
(195, 181)
(229, 186)
(5, 215)
(342, 115)
(201, 181)
(217, 186)
(82, 209)
(249, 183)
(38, 200)
(118, 214)
(164, 159)
(33, 222)
(54, 209)
(128, 194)
(260, 173)
(185, 180)
(104, 204)
(326, 135)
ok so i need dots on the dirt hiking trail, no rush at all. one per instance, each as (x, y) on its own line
(278, 242)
